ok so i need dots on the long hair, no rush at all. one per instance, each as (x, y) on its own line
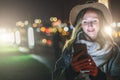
(102, 36)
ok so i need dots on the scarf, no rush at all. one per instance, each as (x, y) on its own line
(99, 55)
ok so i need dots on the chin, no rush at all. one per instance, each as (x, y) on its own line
(93, 37)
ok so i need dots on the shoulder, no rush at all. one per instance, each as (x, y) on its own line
(115, 62)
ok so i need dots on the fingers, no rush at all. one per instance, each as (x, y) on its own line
(85, 61)
(85, 64)
(86, 67)
(92, 72)
(77, 66)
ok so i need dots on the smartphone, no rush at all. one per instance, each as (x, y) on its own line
(78, 48)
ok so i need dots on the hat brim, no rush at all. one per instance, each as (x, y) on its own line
(75, 11)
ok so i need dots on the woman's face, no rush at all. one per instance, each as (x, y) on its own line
(90, 24)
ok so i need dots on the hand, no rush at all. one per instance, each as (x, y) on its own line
(86, 65)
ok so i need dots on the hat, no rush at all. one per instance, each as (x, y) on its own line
(75, 11)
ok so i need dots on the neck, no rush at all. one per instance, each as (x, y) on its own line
(89, 38)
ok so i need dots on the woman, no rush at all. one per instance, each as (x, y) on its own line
(90, 54)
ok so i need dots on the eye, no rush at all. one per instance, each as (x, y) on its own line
(84, 22)
(95, 21)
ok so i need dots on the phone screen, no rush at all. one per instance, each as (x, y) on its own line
(79, 48)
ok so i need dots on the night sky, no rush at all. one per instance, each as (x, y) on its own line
(115, 9)
(15, 10)
(12, 11)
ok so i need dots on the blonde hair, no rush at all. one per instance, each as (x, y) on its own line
(102, 38)
(74, 35)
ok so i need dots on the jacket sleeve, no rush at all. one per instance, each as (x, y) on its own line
(100, 76)
(114, 64)
(63, 70)
(59, 70)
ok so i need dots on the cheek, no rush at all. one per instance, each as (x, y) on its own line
(84, 29)
(97, 28)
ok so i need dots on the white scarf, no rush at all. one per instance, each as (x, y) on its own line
(99, 55)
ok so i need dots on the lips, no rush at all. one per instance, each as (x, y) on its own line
(90, 30)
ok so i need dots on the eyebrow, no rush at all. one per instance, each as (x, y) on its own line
(93, 18)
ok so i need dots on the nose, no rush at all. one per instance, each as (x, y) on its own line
(90, 24)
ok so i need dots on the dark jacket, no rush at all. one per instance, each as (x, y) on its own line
(64, 71)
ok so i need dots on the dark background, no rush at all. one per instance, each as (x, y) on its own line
(12, 11)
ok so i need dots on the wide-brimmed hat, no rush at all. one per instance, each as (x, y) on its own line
(75, 11)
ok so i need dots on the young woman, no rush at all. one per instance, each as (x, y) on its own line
(90, 54)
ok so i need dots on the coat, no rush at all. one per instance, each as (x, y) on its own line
(109, 71)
